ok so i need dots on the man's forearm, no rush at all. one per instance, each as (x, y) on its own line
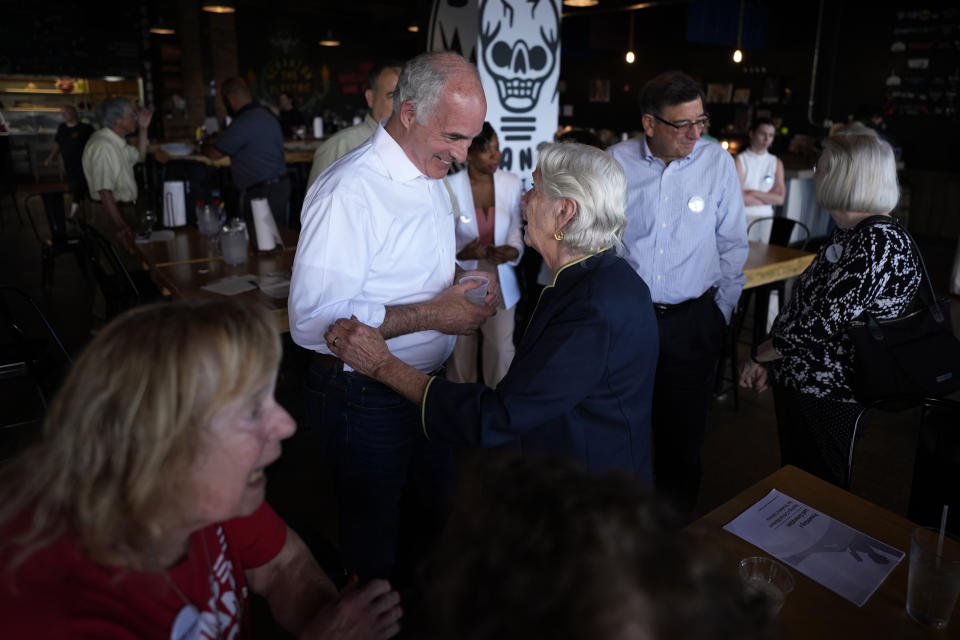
(403, 319)
(142, 142)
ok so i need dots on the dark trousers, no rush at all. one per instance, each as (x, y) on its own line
(393, 485)
(691, 339)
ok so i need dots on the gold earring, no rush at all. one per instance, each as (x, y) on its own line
(558, 235)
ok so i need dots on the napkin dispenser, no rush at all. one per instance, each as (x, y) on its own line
(174, 204)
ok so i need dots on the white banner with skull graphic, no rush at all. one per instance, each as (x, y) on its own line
(516, 46)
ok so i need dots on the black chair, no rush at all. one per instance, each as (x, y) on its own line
(937, 458)
(781, 232)
(119, 289)
(58, 239)
(31, 352)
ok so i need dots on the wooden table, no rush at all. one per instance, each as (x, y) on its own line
(812, 610)
(768, 263)
(188, 262)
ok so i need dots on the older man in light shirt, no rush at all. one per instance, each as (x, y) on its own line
(378, 244)
(381, 83)
(108, 162)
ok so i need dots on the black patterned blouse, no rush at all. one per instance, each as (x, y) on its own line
(867, 268)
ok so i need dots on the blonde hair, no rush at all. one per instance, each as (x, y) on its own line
(857, 173)
(596, 182)
(128, 422)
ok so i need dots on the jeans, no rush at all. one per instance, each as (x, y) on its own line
(392, 484)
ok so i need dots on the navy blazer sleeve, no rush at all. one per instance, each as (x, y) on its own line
(564, 363)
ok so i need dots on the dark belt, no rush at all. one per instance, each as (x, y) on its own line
(333, 363)
(268, 182)
(663, 309)
(329, 362)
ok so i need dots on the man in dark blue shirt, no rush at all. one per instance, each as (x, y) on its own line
(254, 142)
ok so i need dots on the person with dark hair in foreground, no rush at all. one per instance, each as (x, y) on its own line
(538, 548)
(141, 513)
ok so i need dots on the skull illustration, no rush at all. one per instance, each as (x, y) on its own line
(520, 41)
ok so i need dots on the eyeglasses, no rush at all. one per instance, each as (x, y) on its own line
(685, 127)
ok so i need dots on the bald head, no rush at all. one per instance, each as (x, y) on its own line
(235, 93)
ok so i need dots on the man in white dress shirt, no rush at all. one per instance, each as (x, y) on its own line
(378, 244)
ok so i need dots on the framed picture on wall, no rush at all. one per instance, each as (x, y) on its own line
(719, 92)
(599, 90)
(741, 96)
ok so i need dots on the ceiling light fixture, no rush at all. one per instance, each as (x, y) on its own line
(329, 40)
(161, 28)
(413, 28)
(218, 6)
(738, 53)
(581, 3)
(631, 56)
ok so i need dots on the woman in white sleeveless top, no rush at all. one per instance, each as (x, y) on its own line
(761, 177)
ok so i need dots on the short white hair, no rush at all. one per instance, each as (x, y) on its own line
(423, 78)
(857, 173)
(596, 182)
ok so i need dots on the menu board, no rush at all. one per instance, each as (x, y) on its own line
(924, 63)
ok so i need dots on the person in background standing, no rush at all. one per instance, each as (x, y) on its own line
(687, 238)
(71, 138)
(381, 83)
(489, 239)
(290, 117)
(254, 142)
(761, 177)
(108, 162)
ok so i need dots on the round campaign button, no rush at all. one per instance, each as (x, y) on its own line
(834, 252)
(767, 179)
(695, 204)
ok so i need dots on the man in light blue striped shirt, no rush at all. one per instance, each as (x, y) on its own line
(686, 236)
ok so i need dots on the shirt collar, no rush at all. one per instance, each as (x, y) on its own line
(114, 137)
(395, 161)
(647, 155)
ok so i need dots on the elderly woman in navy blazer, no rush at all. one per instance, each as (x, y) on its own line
(582, 378)
(489, 239)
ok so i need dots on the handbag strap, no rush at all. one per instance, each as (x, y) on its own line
(932, 295)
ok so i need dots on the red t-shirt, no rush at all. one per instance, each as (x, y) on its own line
(58, 592)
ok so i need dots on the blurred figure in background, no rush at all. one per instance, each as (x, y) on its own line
(71, 138)
(291, 120)
(381, 83)
(488, 239)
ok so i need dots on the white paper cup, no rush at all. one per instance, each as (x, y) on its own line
(477, 294)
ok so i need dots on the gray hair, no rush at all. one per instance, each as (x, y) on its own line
(423, 78)
(857, 173)
(596, 182)
(111, 110)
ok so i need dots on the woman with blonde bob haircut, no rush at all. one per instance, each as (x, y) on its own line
(140, 513)
(581, 382)
(867, 265)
